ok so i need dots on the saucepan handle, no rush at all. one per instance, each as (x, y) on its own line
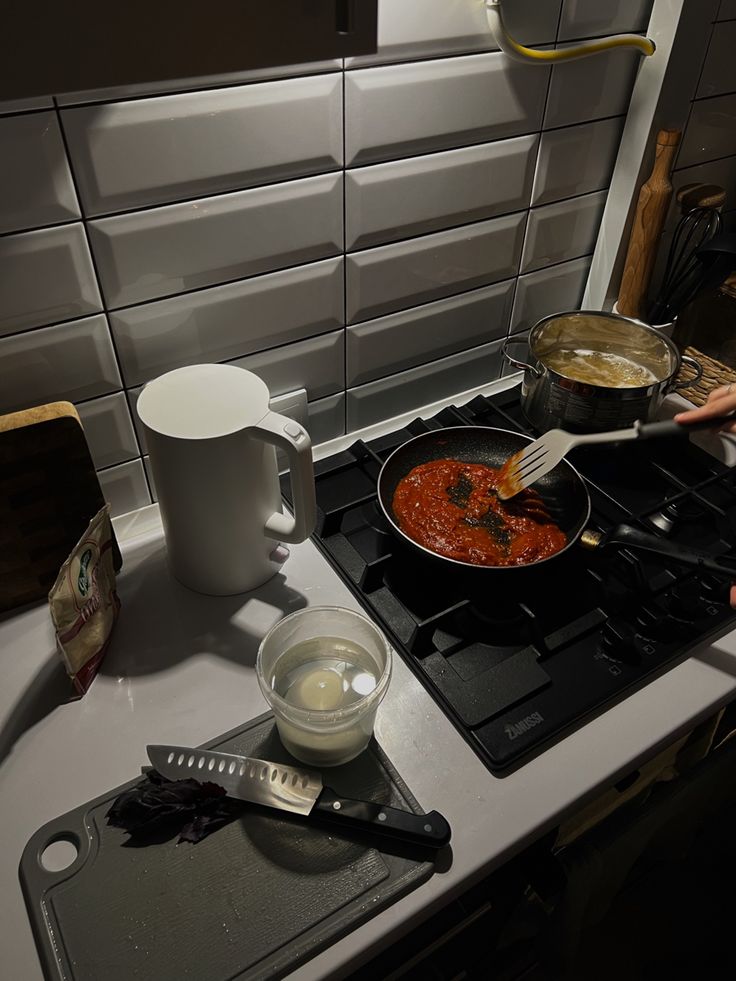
(634, 538)
(514, 361)
(696, 366)
(294, 439)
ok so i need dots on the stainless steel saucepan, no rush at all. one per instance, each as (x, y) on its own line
(552, 399)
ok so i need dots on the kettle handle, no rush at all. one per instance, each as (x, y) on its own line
(288, 435)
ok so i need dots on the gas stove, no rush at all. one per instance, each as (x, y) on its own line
(518, 665)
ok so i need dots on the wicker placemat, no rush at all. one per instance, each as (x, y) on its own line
(714, 375)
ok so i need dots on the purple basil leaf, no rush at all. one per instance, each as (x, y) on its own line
(195, 808)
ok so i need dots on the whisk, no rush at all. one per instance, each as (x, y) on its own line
(683, 272)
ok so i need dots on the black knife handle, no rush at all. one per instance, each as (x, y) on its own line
(430, 830)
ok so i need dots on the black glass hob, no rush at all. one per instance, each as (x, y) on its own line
(518, 664)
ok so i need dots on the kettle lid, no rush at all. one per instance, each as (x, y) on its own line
(203, 401)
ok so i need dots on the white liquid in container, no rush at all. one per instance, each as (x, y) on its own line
(324, 673)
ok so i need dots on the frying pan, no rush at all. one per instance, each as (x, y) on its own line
(562, 490)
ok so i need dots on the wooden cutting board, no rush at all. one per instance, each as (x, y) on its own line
(49, 491)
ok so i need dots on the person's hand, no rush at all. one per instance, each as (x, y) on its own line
(721, 402)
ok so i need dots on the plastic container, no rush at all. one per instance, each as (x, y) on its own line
(321, 729)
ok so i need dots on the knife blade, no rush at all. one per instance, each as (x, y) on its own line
(299, 791)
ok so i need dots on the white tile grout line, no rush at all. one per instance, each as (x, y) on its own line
(344, 247)
(98, 280)
(531, 189)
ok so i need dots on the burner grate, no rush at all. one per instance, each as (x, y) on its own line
(516, 662)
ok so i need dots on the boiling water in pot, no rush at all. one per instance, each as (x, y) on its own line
(599, 368)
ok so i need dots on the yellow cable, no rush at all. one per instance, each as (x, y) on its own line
(644, 45)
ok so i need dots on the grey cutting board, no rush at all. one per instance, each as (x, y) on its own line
(253, 900)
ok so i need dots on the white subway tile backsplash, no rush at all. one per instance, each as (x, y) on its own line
(167, 250)
(552, 290)
(413, 337)
(721, 172)
(109, 429)
(149, 475)
(229, 321)
(393, 277)
(317, 364)
(592, 88)
(588, 18)
(132, 396)
(562, 231)
(151, 151)
(326, 418)
(196, 84)
(248, 218)
(438, 27)
(47, 276)
(379, 400)
(576, 160)
(35, 183)
(71, 361)
(124, 487)
(26, 105)
(390, 201)
(719, 76)
(711, 131)
(398, 110)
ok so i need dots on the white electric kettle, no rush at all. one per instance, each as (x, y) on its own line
(211, 438)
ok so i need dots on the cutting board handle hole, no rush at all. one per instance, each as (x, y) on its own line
(60, 853)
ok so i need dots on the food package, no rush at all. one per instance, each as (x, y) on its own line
(84, 603)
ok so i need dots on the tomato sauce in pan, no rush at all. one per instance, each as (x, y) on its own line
(452, 509)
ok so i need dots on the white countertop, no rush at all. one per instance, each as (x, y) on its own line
(180, 670)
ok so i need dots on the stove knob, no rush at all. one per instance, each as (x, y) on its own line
(686, 600)
(654, 623)
(716, 590)
(618, 638)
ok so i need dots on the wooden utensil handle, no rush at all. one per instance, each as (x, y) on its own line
(701, 196)
(651, 210)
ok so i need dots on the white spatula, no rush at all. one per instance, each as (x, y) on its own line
(538, 458)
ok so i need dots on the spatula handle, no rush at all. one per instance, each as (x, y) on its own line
(430, 830)
(668, 427)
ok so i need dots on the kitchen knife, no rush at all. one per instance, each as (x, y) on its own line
(299, 791)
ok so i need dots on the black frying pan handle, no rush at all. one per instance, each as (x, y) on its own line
(634, 538)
